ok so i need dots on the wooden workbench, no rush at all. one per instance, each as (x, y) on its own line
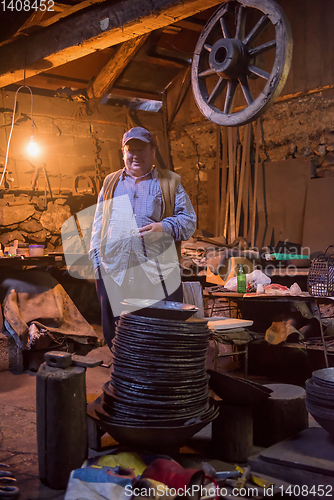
(266, 298)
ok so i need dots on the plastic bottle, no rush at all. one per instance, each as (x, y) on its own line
(241, 280)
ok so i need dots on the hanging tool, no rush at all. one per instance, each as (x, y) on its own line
(245, 155)
(217, 183)
(91, 189)
(34, 181)
(232, 136)
(98, 160)
(47, 180)
(256, 175)
(5, 183)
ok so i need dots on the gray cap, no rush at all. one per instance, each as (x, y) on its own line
(139, 133)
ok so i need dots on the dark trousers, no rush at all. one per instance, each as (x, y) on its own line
(109, 319)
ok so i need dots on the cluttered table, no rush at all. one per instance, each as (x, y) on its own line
(217, 292)
(288, 271)
(20, 261)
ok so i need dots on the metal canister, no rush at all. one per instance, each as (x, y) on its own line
(61, 422)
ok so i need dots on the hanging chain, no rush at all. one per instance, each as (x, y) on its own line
(98, 161)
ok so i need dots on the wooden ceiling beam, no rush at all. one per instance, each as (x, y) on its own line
(96, 28)
(51, 81)
(67, 11)
(134, 94)
(163, 61)
(191, 25)
(35, 20)
(114, 67)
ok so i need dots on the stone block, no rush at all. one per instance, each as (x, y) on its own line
(11, 356)
(54, 217)
(7, 238)
(39, 236)
(281, 416)
(14, 214)
(31, 226)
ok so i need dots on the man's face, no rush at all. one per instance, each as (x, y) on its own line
(138, 157)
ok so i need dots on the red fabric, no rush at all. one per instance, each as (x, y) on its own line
(172, 474)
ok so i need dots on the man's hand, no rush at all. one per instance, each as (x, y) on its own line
(154, 227)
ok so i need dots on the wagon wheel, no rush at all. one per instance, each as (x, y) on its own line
(242, 57)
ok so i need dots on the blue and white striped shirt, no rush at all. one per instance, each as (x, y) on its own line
(137, 202)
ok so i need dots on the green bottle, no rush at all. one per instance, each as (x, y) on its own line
(241, 280)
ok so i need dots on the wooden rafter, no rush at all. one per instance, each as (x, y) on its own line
(37, 20)
(50, 81)
(101, 26)
(114, 67)
(163, 61)
(193, 25)
(135, 93)
(67, 11)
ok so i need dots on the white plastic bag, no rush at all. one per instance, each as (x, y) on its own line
(295, 289)
(258, 276)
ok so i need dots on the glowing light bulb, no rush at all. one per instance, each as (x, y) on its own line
(33, 149)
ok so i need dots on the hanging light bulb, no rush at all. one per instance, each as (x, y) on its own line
(33, 149)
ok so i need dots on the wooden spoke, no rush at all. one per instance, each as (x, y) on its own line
(224, 28)
(262, 48)
(228, 50)
(221, 84)
(207, 72)
(246, 89)
(231, 88)
(259, 72)
(241, 21)
(257, 30)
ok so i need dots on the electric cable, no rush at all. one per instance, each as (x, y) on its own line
(12, 126)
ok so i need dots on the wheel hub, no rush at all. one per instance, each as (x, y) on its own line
(228, 58)
(237, 56)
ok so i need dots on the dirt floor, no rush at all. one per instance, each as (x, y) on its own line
(18, 443)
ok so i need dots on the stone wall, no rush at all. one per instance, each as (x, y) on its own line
(26, 219)
(299, 124)
(193, 151)
(299, 127)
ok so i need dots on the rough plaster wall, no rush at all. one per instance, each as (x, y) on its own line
(64, 137)
(72, 137)
(300, 127)
(194, 156)
(66, 150)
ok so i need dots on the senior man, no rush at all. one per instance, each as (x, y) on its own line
(141, 211)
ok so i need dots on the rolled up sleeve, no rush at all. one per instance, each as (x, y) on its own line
(182, 224)
(95, 242)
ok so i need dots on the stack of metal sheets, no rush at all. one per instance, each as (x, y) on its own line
(159, 377)
(320, 398)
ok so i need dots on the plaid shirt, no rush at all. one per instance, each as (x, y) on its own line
(137, 202)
